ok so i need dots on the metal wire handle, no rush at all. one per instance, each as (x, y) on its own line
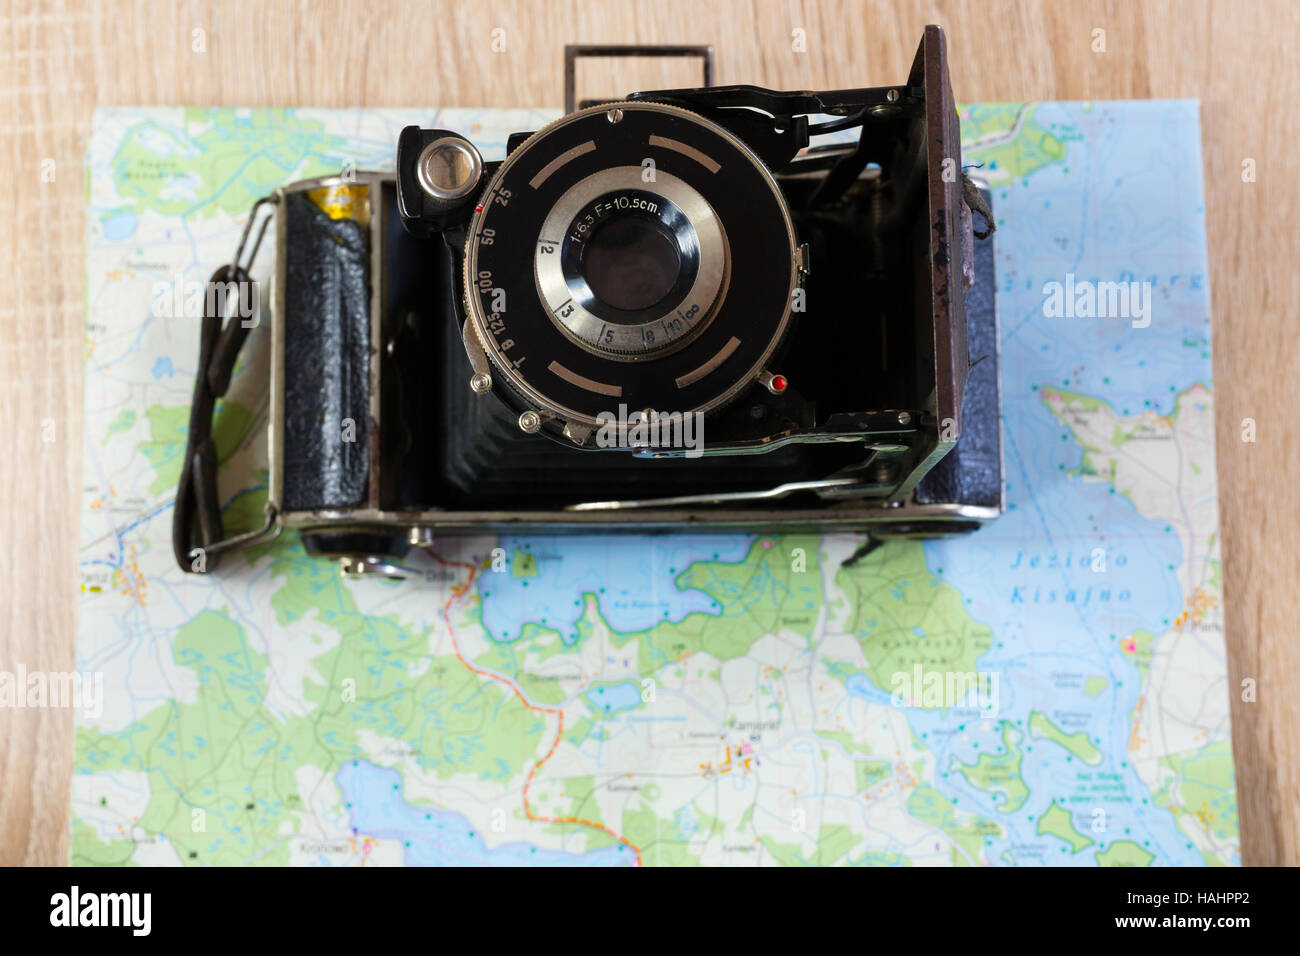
(220, 340)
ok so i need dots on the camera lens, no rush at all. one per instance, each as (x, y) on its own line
(624, 270)
(631, 262)
(648, 257)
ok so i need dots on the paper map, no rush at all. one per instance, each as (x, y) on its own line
(722, 700)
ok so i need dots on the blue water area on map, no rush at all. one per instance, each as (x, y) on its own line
(859, 685)
(119, 226)
(632, 577)
(1118, 208)
(162, 367)
(376, 808)
(613, 698)
(1030, 575)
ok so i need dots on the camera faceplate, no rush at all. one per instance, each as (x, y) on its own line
(691, 353)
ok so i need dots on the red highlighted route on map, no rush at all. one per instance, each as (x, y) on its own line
(459, 592)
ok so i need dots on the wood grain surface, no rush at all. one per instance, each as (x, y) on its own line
(59, 60)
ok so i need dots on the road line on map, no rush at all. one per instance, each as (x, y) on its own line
(461, 591)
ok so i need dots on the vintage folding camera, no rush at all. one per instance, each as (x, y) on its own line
(684, 309)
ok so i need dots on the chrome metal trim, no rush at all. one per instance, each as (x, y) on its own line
(370, 566)
(564, 158)
(275, 429)
(691, 152)
(690, 378)
(765, 494)
(858, 513)
(591, 385)
(426, 158)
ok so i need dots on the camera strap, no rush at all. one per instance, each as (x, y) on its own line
(221, 339)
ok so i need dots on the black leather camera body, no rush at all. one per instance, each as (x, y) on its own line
(672, 311)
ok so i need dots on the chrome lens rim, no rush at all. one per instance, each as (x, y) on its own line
(554, 146)
(682, 320)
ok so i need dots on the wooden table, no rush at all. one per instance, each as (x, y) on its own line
(59, 59)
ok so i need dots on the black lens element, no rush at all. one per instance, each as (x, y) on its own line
(631, 262)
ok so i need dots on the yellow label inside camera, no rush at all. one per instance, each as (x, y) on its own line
(343, 201)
